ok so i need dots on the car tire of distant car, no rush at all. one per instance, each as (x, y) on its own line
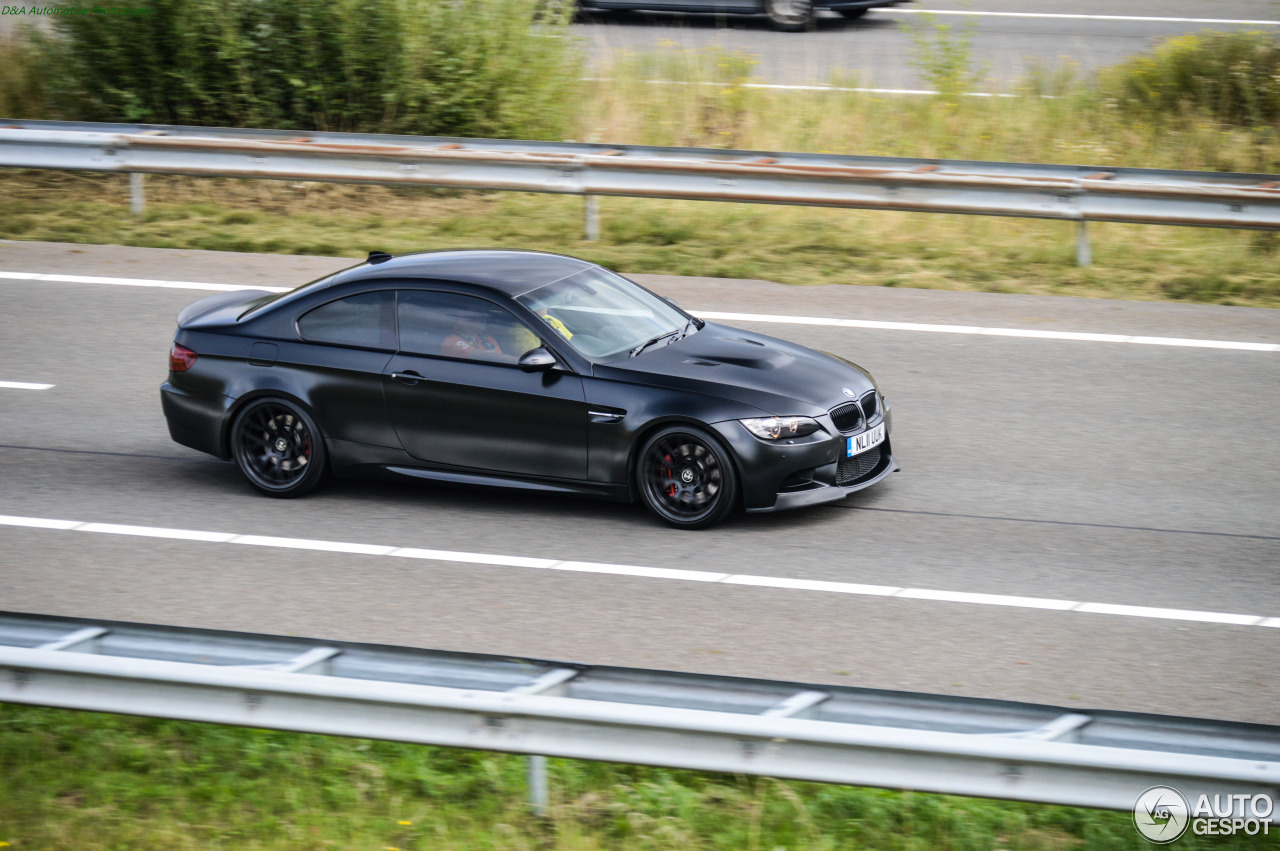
(790, 15)
(851, 14)
(278, 447)
(686, 477)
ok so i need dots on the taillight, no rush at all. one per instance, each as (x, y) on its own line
(180, 358)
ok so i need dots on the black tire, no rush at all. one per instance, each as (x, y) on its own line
(278, 448)
(853, 14)
(790, 15)
(686, 478)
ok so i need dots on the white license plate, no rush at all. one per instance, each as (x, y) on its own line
(860, 443)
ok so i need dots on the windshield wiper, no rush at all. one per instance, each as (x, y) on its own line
(640, 348)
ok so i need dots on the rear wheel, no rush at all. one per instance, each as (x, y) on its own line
(686, 478)
(790, 15)
(278, 448)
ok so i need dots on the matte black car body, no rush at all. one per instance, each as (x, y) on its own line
(574, 428)
(792, 15)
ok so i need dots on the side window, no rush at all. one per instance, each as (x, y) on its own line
(367, 320)
(461, 326)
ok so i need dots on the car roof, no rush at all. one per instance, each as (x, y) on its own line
(511, 272)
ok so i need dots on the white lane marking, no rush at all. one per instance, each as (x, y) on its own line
(135, 282)
(811, 88)
(920, 594)
(157, 532)
(815, 585)
(752, 317)
(472, 558)
(989, 332)
(24, 385)
(646, 572)
(879, 91)
(988, 599)
(1170, 614)
(1145, 19)
(305, 544)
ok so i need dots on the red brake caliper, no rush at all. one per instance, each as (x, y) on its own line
(667, 470)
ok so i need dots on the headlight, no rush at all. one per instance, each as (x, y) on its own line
(777, 428)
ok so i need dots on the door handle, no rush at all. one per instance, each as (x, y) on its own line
(408, 377)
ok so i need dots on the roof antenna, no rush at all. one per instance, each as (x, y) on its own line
(379, 257)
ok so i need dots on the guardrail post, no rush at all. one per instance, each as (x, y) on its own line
(1084, 256)
(593, 218)
(538, 798)
(137, 198)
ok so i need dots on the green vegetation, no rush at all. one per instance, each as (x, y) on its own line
(1234, 77)
(22, 93)
(87, 782)
(944, 55)
(391, 66)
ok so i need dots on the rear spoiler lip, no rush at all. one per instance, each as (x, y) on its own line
(192, 313)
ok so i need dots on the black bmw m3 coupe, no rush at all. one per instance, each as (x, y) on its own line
(524, 370)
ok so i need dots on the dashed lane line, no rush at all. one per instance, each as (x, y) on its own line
(1077, 17)
(643, 572)
(740, 317)
(24, 385)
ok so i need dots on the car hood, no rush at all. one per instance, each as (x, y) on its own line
(764, 372)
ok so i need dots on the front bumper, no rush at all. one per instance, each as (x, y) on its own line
(783, 475)
(818, 491)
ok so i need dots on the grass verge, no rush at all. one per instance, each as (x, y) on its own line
(90, 782)
(786, 244)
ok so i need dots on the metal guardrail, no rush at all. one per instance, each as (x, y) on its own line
(820, 733)
(1073, 193)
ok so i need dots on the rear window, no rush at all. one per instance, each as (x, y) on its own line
(367, 320)
(263, 301)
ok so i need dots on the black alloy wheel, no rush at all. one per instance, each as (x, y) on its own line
(686, 478)
(278, 448)
(790, 15)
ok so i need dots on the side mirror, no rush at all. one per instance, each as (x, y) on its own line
(537, 360)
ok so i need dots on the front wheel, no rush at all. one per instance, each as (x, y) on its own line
(686, 478)
(278, 448)
(790, 15)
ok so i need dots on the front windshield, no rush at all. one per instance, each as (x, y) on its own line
(602, 314)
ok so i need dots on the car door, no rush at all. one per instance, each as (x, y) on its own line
(337, 366)
(457, 397)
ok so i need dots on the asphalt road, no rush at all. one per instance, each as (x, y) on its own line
(876, 50)
(1141, 475)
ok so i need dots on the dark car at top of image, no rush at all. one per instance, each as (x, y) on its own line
(520, 369)
(787, 15)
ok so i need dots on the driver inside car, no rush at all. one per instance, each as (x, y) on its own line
(470, 339)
